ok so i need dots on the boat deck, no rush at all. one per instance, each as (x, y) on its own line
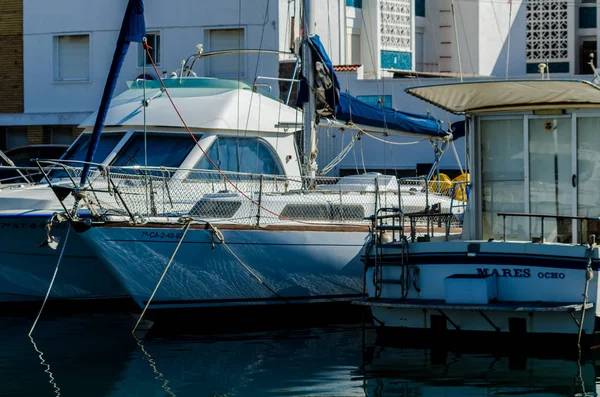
(566, 307)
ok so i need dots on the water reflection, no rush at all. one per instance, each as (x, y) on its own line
(98, 356)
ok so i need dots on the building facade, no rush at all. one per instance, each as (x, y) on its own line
(56, 54)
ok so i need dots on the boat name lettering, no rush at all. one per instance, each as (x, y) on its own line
(162, 235)
(515, 273)
(551, 275)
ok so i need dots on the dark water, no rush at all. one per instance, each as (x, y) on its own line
(96, 355)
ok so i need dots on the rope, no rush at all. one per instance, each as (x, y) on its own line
(589, 274)
(187, 226)
(216, 232)
(52, 381)
(225, 177)
(152, 363)
(62, 251)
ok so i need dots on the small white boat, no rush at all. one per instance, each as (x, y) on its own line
(527, 260)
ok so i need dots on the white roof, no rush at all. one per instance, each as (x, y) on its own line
(201, 108)
(482, 96)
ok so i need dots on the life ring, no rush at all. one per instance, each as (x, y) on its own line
(443, 186)
(460, 190)
(144, 77)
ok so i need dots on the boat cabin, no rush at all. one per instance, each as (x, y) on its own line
(238, 128)
(533, 149)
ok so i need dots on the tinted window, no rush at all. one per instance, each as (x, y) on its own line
(249, 155)
(167, 150)
(79, 150)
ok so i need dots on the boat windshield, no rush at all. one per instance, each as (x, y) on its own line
(166, 150)
(244, 155)
(78, 151)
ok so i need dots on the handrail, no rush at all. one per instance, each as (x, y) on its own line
(544, 216)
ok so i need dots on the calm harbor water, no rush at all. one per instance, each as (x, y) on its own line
(96, 355)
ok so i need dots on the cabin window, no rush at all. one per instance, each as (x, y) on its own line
(72, 58)
(153, 39)
(502, 178)
(246, 155)
(228, 66)
(166, 150)
(78, 151)
(588, 173)
(215, 209)
(550, 176)
(332, 212)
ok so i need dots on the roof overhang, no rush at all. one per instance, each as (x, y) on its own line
(509, 95)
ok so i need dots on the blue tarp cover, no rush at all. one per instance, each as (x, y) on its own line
(345, 107)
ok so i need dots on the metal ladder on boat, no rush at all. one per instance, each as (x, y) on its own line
(382, 242)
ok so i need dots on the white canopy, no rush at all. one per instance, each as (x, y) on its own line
(484, 96)
(201, 108)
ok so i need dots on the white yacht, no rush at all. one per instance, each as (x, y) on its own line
(527, 260)
(240, 222)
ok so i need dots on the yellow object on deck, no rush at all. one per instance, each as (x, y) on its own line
(460, 190)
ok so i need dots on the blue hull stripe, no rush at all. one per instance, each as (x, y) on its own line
(452, 258)
(242, 300)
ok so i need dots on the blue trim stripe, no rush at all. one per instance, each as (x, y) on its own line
(453, 258)
(354, 3)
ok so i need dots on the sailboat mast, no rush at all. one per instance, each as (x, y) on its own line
(308, 109)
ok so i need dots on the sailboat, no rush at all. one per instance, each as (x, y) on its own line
(33, 241)
(242, 221)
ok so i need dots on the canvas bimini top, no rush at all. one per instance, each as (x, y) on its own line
(504, 95)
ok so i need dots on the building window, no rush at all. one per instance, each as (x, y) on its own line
(420, 8)
(587, 17)
(72, 57)
(377, 100)
(354, 3)
(232, 66)
(153, 39)
(587, 48)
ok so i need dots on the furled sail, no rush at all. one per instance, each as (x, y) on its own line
(329, 101)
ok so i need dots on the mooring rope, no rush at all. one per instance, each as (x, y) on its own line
(62, 251)
(216, 232)
(589, 274)
(187, 226)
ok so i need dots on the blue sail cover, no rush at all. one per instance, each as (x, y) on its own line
(348, 108)
(133, 28)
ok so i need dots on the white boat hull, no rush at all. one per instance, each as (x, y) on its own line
(26, 269)
(538, 283)
(270, 266)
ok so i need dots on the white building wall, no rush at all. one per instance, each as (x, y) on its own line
(499, 21)
(330, 26)
(182, 25)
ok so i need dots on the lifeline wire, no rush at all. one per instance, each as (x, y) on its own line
(51, 281)
(162, 277)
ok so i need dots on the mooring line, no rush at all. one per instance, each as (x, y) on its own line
(159, 375)
(62, 251)
(47, 370)
(217, 232)
(187, 226)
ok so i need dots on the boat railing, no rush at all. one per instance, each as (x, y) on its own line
(142, 192)
(542, 239)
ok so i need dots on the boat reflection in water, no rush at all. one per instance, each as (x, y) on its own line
(99, 357)
(441, 371)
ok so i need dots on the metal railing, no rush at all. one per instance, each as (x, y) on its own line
(541, 239)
